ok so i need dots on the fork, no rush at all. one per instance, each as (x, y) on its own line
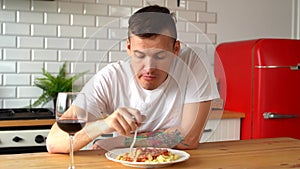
(133, 141)
(132, 144)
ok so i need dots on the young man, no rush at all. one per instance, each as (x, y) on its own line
(162, 92)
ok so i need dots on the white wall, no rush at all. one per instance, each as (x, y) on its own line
(248, 19)
(88, 34)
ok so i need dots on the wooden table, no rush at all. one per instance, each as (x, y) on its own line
(274, 153)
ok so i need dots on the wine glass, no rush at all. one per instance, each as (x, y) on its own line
(71, 116)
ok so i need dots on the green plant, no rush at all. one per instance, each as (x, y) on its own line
(52, 85)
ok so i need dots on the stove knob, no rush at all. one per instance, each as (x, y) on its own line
(39, 139)
(17, 139)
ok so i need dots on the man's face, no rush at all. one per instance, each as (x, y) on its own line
(151, 58)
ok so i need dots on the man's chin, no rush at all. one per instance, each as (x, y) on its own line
(148, 86)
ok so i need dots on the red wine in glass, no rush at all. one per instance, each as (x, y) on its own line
(71, 126)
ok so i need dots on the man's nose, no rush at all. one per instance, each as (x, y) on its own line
(150, 63)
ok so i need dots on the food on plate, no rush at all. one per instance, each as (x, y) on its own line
(149, 155)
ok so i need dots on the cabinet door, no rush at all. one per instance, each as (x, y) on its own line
(221, 130)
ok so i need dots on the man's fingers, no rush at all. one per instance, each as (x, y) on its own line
(136, 115)
(125, 120)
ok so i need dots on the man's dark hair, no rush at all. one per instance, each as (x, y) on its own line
(152, 20)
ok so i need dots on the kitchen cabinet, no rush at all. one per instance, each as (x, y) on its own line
(222, 125)
(227, 129)
(224, 128)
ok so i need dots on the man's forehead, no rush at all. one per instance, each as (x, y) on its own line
(157, 41)
(151, 51)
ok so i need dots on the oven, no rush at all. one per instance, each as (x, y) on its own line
(24, 130)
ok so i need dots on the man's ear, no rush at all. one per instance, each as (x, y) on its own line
(177, 48)
(128, 47)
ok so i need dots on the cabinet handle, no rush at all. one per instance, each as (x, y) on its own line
(207, 130)
(271, 115)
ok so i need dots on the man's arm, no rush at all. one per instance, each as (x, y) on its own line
(121, 121)
(193, 123)
(185, 136)
(58, 140)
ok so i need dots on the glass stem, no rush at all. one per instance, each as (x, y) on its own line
(72, 166)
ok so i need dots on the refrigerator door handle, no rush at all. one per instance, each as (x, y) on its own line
(296, 67)
(271, 115)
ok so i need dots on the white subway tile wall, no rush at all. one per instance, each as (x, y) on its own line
(16, 54)
(70, 31)
(8, 41)
(8, 67)
(57, 19)
(83, 44)
(12, 103)
(16, 5)
(95, 32)
(30, 17)
(108, 22)
(136, 3)
(29, 67)
(187, 15)
(16, 79)
(95, 56)
(28, 92)
(15, 29)
(43, 30)
(44, 6)
(196, 5)
(70, 55)
(53, 67)
(70, 7)
(206, 17)
(30, 42)
(119, 11)
(8, 92)
(95, 9)
(43, 55)
(7, 16)
(57, 43)
(83, 20)
(86, 34)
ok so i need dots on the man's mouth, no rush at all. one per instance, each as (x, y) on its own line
(148, 77)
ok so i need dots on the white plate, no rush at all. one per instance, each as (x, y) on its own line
(113, 154)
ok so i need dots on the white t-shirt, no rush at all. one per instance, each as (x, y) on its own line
(190, 80)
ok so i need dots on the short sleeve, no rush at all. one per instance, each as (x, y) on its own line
(197, 77)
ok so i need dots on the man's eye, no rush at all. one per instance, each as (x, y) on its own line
(160, 56)
(139, 56)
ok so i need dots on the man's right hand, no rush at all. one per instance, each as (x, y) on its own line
(124, 120)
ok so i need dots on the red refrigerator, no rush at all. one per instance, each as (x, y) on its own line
(262, 79)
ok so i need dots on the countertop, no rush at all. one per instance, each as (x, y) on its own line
(44, 122)
(21, 123)
(274, 153)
